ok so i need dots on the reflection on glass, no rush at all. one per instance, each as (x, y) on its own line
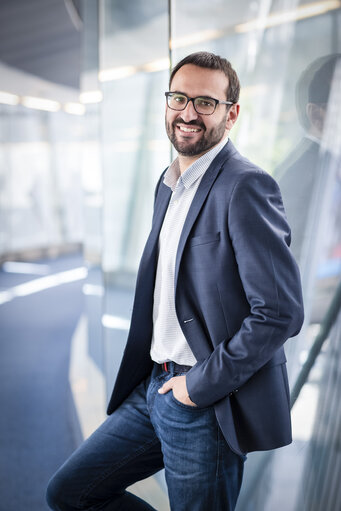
(310, 180)
(40, 196)
(276, 52)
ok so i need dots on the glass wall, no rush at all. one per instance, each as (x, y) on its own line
(135, 149)
(40, 193)
(290, 126)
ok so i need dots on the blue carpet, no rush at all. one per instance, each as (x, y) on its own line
(38, 430)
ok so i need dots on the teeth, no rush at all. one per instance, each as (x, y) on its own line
(189, 130)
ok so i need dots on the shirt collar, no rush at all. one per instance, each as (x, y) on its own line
(313, 138)
(196, 170)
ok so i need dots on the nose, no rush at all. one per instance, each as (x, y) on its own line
(189, 114)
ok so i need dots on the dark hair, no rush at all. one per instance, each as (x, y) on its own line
(211, 61)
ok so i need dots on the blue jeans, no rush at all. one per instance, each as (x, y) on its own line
(148, 432)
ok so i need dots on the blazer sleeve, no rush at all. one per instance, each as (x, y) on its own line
(260, 237)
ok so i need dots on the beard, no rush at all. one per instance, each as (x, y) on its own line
(207, 141)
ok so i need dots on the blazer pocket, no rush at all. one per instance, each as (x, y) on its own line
(204, 239)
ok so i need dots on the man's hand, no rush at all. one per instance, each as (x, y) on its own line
(179, 387)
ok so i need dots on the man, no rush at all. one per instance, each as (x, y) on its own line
(203, 378)
(302, 175)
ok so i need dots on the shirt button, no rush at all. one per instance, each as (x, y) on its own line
(175, 202)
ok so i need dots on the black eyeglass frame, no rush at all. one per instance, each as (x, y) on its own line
(169, 94)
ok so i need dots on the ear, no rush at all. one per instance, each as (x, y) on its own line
(316, 116)
(232, 115)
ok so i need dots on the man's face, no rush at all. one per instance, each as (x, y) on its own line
(193, 134)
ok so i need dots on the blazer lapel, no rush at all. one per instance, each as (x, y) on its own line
(199, 198)
(160, 208)
(161, 204)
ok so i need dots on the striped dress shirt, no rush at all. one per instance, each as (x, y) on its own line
(168, 340)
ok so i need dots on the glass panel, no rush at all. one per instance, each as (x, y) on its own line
(270, 44)
(92, 183)
(135, 150)
(40, 155)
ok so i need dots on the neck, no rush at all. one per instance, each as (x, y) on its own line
(315, 132)
(187, 161)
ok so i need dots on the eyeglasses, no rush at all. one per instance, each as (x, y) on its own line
(203, 105)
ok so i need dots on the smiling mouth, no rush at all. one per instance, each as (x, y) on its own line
(186, 129)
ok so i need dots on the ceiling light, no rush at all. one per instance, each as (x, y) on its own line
(197, 37)
(93, 96)
(156, 65)
(115, 73)
(40, 104)
(74, 108)
(8, 99)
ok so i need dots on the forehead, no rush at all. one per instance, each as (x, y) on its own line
(198, 81)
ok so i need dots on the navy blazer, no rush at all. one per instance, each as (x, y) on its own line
(238, 299)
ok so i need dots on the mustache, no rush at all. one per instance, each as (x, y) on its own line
(197, 123)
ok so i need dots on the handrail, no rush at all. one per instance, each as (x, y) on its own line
(314, 351)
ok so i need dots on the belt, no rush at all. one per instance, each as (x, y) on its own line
(172, 367)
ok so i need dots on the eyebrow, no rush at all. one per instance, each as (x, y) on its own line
(185, 94)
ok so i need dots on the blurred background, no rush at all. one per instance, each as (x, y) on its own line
(82, 144)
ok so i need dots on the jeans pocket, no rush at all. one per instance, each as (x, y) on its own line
(184, 406)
